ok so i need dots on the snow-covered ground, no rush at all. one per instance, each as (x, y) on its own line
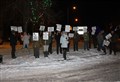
(25, 66)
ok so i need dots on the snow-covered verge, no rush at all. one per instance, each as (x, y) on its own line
(26, 65)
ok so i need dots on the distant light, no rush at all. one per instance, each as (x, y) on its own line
(74, 7)
(76, 19)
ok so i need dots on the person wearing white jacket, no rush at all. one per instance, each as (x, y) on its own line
(64, 43)
(25, 39)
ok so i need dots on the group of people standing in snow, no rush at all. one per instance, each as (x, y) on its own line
(63, 43)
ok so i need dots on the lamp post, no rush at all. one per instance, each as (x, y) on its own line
(76, 19)
(68, 13)
(74, 7)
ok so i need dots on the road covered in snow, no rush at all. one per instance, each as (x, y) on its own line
(80, 66)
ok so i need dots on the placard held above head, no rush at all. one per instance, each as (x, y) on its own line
(20, 29)
(42, 28)
(67, 28)
(81, 30)
(108, 36)
(14, 28)
(93, 30)
(50, 29)
(85, 29)
(75, 28)
(59, 26)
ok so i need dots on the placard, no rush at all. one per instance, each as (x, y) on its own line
(71, 35)
(14, 28)
(59, 26)
(50, 29)
(106, 43)
(45, 36)
(108, 36)
(85, 29)
(20, 29)
(42, 28)
(81, 30)
(35, 36)
(75, 28)
(67, 28)
(93, 30)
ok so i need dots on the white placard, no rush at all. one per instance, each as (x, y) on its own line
(59, 26)
(108, 36)
(45, 36)
(81, 30)
(20, 29)
(14, 28)
(85, 29)
(35, 36)
(42, 28)
(93, 30)
(50, 29)
(106, 43)
(74, 28)
(67, 28)
(71, 35)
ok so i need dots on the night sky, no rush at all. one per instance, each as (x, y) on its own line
(88, 12)
(93, 12)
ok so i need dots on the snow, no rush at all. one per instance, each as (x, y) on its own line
(26, 65)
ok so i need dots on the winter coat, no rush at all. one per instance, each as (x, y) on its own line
(36, 44)
(114, 38)
(76, 37)
(86, 36)
(100, 38)
(64, 41)
(57, 37)
(25, 39)
(13, 39)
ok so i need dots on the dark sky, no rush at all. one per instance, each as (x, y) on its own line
(88, 11)
(93, 11)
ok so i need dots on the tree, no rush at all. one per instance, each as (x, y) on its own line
(32, 11)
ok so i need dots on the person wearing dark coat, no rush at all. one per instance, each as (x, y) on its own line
(13, 42)
(113, 42)
(75, 41)
(58, 45)
(86, 40)
(100, 39)
(50, 42)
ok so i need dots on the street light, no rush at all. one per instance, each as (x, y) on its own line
(74, 7)
(76, 19)
(68, 13)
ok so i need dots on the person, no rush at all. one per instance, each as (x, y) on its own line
(36, 46)
(64, 44)
(13, 42)
(100, 39)
(113, 42)
(46, 46)
(75, 41)
(86, 40)
(58, 46)
(25, 39)
(104, 46)
(50, 43)
(36, 49)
